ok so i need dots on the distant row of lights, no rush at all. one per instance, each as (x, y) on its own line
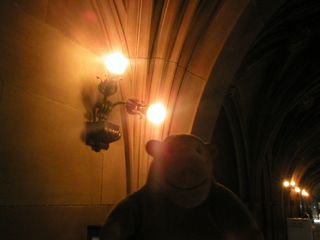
(297, 189)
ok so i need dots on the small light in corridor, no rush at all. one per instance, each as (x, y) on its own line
(286, 183)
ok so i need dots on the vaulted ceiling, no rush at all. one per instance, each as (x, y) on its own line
(194, 55)
(182, 53)
(242, 74)
(283, 122)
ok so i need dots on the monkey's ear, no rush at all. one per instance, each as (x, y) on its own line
(213, 149)
(153, 147)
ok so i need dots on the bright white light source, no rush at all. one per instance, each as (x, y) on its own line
(297, 189)
(286, 183)
(116, 63)
(156, 113)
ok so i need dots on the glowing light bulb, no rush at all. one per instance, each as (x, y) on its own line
(156, 113)
(304, 193)
(116, 63)
(297, 189)
(293, 184)
(286, 183)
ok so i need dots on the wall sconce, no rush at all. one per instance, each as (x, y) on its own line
(287, 184)
(304, 193)
(301, 194)
(100, 133)
(290, 186)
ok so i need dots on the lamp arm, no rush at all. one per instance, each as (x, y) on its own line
(118, 103)
(133, 106)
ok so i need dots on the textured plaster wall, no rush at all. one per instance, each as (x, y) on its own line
(51, 184)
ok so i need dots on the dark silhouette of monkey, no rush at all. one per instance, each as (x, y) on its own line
(181, 199)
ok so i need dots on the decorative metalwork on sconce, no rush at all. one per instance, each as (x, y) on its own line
(101, 133)
(110, 87)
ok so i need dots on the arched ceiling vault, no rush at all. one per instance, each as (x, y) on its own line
(283, 115)
(181, 53)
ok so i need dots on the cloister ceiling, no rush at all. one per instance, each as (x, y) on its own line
(173, 47)
(282, 117)
(187, 54)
